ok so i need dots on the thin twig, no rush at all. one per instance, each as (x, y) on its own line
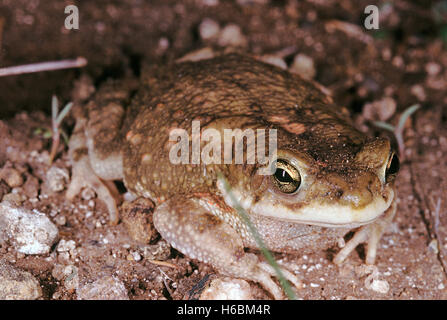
(43, 66)
(163, 263)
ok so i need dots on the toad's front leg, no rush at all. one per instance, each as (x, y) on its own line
(94, 147)
(191, 228)
(83, 174)
(371, 234)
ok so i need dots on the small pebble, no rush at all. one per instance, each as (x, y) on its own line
(209, 29)
(64, 257)
(380, 109)
(432, 68)
(304, 66)
(105, 288)
(136, 217)
(433, 246)
(60, 220)
(14, 198)
(11, 176)
(31, 187)
(16, 284)
(162, 46)
(136, 256)
(159, 251)
(58, 271)
(231, 36)
(53, 213)
(380, 286)
(419, 92)
(65, 245)
(56, 178)
(91, 203)
(227, 289)
(71, 278)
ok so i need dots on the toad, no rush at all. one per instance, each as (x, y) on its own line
(328, 178)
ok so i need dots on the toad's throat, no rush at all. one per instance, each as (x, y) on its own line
(324, 215)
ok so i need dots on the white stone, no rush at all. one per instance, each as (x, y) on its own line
(227, 289)
(29, 232)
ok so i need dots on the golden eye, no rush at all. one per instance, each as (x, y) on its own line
(286, 177)
(392, 167)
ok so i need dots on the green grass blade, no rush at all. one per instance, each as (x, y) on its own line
(54, 107)
(406, 114)
(64, 112)
(267, 254)
(384, 125)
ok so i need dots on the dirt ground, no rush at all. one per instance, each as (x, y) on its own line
(401, 64)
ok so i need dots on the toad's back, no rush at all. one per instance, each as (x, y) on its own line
(243, 91)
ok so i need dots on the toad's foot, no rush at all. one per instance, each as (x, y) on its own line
(200, 234)
(286, 273)
(84, 176)
(94, 147)
(371, 234)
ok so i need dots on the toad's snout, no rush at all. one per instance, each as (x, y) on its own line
(356, 190)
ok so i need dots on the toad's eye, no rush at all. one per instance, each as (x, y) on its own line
(392, 167)
(286, 177)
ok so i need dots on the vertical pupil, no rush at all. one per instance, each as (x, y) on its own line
(282, 175)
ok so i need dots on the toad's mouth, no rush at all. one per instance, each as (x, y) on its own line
(331, 215)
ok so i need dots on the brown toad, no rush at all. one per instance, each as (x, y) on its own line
(328, 179)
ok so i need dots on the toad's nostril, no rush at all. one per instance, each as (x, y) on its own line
(357, 198)
(339, 193)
